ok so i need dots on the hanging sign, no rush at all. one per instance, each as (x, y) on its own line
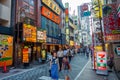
(102, 63)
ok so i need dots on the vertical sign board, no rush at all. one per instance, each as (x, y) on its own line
(102, 63)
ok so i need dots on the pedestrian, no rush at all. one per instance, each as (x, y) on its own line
(65, 52)
(87, 52)
(110, 62)
(69, 54)
(66, 67)
(60, 57)
(54, 65)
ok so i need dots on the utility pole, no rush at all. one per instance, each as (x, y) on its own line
(100, 19)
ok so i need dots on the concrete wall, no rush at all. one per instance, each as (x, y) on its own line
(5, 13)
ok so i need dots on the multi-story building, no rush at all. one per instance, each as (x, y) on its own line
(112, 31)
(71, 28)
(52, 22)
(84, 21)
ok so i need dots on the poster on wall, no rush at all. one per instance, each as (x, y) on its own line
(102, 63)
(6, 49)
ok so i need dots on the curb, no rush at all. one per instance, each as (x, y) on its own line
(27, 70)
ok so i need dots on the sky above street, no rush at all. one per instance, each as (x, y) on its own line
(74, 3)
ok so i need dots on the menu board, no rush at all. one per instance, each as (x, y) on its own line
(29, 33)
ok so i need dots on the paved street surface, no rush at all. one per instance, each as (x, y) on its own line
(81, 70)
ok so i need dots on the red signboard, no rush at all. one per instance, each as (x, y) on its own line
(111, 23)
(84, 7)
(49, 14)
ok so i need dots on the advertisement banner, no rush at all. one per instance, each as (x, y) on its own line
(41, 36)
(29, 33)
(96, 8)
(6, 49)
(87, 13)
(49, 14)
(111, 23)
(102, 63)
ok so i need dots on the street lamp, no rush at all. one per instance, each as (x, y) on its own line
(20, 13)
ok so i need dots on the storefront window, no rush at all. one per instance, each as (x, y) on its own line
(43, 22)
(47, 26)
(50, 28)
(54, 29)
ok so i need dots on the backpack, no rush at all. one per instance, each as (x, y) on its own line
(66, 65)
(69, 53)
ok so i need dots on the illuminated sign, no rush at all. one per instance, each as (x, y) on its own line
(84, 7)
(101, 63)
(41, 36)
(29, 33)
(47, 13)
(25, 55)
(52, 5)
(112, 38)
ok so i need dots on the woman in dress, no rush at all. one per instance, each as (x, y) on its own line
(54, 64)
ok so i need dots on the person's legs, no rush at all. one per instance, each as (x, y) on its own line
(60, 63)
(70, 58)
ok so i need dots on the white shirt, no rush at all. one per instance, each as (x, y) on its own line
(60, 53)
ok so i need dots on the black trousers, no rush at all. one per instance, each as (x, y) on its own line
(70, 57)
(60, 62)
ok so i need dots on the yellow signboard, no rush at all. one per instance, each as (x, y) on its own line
(29, 33)
(71, 42)
(97, 5)
(52, 5)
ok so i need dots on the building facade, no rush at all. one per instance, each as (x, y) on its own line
(84, 20)
(6, 32)
(52, 23)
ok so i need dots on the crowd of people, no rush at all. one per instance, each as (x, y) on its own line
(61, 60)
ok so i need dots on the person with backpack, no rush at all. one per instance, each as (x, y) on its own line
(66, 67)
(69, 54)
(54, 65)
